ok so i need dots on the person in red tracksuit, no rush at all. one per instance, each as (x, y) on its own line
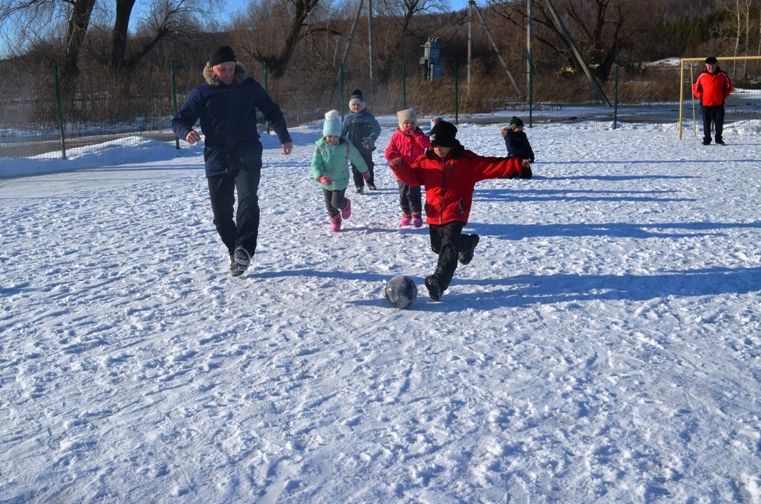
(449, 174)
(712, 88)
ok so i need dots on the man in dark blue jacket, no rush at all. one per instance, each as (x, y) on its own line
(226, 107)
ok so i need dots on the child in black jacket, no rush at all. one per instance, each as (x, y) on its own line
(517, 144)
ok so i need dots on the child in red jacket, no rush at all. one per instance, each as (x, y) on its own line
(406, 144)
(449, 174)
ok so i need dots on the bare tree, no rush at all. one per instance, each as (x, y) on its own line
(166, 17)
(267, 22)
(601, 28)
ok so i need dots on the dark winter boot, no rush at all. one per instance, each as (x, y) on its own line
(467, 255)
(239, 261)
(434, 289)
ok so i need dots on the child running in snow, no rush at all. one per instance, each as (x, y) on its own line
(330, 168)
(449, 174)
(408, 143)
(518, 146)
(362, 129)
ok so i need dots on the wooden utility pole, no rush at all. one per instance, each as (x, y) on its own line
(496, 49)
(529, 59)
(371, 40)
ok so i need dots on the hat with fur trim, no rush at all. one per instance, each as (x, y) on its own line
(443, 134)
(223, 54)
(332, 125)
(406, 115)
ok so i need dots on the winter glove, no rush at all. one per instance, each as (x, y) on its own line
(504, 132)
(368, 144)
(526, 172)
(366, 176)
(396, 162)
(324, 179)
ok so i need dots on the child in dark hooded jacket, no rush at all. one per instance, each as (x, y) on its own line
(517, 144)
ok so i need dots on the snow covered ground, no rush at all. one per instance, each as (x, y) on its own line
(603, 346)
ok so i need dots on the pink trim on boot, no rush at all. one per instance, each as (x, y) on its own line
(406, 220)
(335, 223)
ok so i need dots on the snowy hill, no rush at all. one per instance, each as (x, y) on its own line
(603, 346)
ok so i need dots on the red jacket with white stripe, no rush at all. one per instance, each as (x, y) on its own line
(449, 182)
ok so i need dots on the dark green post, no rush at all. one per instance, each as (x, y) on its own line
(404, 86)
(456, 93)
(615, 97)
(59, 109)
(530, 92)
(341, 102)
(173, 85)
(267, 87)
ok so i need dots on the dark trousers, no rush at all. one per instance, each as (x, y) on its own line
(448, 241)
(713, 115)
(243, 231)
(409, 199)
(334, 201)
(359, 181)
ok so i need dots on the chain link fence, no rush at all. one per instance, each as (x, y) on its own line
(38, 119)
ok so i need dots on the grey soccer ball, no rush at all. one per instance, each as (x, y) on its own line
(401, 291)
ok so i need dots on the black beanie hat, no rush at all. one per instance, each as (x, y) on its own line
(223, 54)
(712, 60)
(443, 134)
(516, 122)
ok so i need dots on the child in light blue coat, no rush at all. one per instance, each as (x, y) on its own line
(330, 168)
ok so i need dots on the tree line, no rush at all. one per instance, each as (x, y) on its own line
(301, 44)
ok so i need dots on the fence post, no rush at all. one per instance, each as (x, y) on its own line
(615, 96)
(341, 100)
(456, 93)
(404, 86)
(59, 109)
(267, 87)
(173, 85)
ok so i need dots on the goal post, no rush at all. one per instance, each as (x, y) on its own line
(692, 77)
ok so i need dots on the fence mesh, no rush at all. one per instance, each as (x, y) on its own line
(103, 108)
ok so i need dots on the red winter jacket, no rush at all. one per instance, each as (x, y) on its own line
(449, 182)
(712, 89)
(405, 146)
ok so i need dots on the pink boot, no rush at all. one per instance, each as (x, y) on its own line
(406, 220)
(335, 223)
(346, 212)
(417, 221)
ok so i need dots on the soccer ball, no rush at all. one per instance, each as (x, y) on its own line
(401, 291)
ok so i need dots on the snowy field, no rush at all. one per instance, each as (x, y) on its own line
(603, 346)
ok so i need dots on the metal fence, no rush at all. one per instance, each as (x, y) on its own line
(36, 120)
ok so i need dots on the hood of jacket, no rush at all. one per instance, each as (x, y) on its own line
(212, 80)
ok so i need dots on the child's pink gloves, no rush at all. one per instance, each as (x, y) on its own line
(324, 179)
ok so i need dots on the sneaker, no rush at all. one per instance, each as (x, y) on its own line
(406, 220)
(371, 186)
(467, 256)
(239, 261)
(417, 221)
(346, 212)
(360, 189)
(720, 141)
(335, 223)
(434, 289)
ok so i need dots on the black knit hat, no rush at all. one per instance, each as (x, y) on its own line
(223, 54)
(443, 134)
(356, 97)
(711, 60)
(516, 122)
